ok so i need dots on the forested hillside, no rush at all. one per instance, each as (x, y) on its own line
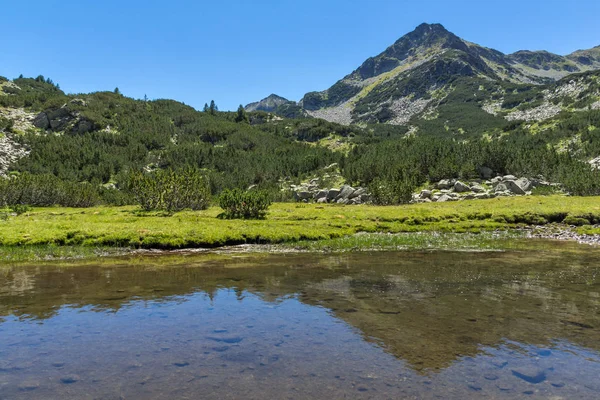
(91, 145)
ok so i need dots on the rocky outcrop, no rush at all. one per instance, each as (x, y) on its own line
(344, 195)
(64, 119)
(455, 190)
(10, 152)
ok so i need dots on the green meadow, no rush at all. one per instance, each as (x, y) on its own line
(65, 232)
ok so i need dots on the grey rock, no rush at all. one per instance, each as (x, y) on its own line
(444, 198)
(425, 194)
(470, 196)
(477, 189)
(481, 196)
(322, 194)
(514, 187)
(303, 195)
(78, 102)
(500, 187)
(59, 113)
(496, 180)
(365, 198)
(68, 379)
(322, 200)
(357, 193)
(435, 197)
(332, 194)
(460, 187)
(509, 178)
(345, 192)
(444, 184)
(524, 184)
(41, 121)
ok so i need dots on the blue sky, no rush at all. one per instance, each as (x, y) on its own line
(236, 52)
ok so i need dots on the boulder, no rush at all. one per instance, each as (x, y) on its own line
(500, 187)
(303, 195)
(486, 173)
(332, 194)
(425, 194)
(481, 196)
(496, 180)
(470, 196)
(460, 187)
(322, 194)
(357, 193)
(514, 187)
(477, 189)
(509, 178)
(78, 102)
(345, 192)
(444, 184)
(524, 184)
(41, 121)
(322, 200)
(444, 198)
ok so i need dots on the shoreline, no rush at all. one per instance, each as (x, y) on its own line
(63, 233)
(534, 238)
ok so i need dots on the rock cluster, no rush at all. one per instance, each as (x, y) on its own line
(540, 113)
(343, 195)
(454, 190)
(10, 152)
(63, 118)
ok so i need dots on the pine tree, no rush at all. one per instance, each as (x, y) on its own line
(205, 108)
(116, 91)
(241, 115)
(213, 108)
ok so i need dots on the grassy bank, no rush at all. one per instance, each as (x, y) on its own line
(286, 223)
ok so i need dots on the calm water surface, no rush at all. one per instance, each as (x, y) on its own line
(364, 325)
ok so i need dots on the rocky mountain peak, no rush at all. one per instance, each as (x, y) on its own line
(268, 104)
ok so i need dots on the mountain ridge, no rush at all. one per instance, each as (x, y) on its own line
(408, 73)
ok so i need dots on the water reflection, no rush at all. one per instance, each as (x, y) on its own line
(380, 325)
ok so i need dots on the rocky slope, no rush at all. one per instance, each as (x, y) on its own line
(415, 74)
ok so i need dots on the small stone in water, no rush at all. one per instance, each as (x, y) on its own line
(68, 379)
(29, 385)
(58, 364)
(181, 364)
(490, 377)
(530, 375)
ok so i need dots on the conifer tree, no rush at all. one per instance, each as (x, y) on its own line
(241, 115)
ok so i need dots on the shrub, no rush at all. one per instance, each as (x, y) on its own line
(237, 203)
(170, 190)
(577, 221)
(390, 191)
(46, 190)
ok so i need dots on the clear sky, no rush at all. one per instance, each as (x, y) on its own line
(237, 51)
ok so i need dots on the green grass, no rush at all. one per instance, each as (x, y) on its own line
(485, 241)
(126, 227)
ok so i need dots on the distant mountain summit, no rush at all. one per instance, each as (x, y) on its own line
(268, 104)
(416, 73)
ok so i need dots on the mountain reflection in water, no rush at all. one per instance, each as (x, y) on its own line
(372, 325)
